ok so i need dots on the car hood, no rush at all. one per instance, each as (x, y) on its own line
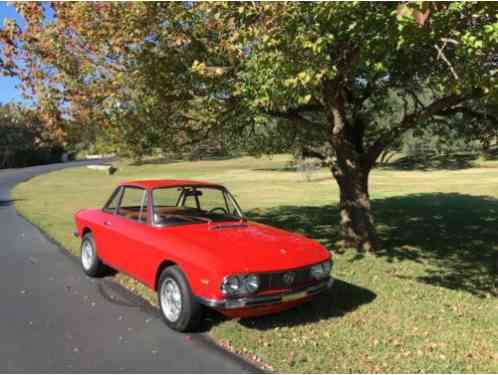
(253, 247)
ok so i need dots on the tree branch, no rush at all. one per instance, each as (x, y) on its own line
(441, 55)
(410, 121)
(295, 113)
(468, 111)
(312, 153)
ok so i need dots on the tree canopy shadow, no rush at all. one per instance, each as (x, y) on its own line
(432, 162)
(491, 154)
(455, 236)
(287, 168)
(155, 161)
(180, 159)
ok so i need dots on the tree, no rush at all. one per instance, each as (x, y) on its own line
(265, 76)
(346, 67)
(122, 67)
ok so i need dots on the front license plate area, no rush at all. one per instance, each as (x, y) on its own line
(293, 296)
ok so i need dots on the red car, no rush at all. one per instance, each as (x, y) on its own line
(190, 242)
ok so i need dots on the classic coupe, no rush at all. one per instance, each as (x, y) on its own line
(190, 242)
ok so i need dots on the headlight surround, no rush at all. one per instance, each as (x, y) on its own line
(317, 271)
(327, 267)
(321, 270)
(236, 285)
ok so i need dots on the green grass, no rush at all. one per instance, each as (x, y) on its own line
(427, 302)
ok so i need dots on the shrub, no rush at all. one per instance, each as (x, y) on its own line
(22, 142)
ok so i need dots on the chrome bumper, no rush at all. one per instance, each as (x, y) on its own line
(274, 299)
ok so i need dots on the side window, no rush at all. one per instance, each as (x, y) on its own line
(113, 201)
(134, 204)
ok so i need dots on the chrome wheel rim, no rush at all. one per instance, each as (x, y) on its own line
(171, 299)
(87, 255)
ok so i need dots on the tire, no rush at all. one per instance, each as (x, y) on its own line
(90, 262)
(179, 309)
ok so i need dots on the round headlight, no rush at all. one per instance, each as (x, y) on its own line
(317, 271)
(251, 283)
(230, 285)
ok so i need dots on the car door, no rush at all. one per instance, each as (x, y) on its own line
(104, 234)
(129, 231)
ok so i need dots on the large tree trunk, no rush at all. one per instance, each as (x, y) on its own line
(356, 217)
(353, 164)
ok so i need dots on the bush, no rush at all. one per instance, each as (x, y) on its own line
(21, 140)
(25, 157)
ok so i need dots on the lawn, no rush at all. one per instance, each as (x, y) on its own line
(427, 302)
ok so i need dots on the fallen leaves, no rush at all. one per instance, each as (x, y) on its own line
(244, 352)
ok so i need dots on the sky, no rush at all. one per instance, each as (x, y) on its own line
(8, 90)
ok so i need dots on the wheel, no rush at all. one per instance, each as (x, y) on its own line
(90, 262)
(179, 309)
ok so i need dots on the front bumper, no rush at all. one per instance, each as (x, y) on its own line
(274, 299)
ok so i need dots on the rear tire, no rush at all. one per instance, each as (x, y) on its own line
(179, 309)
(90, 262)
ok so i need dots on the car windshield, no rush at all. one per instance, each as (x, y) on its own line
(193, 204)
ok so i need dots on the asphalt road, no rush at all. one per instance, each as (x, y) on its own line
(55, 319)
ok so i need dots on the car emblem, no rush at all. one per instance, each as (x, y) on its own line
(289, 277)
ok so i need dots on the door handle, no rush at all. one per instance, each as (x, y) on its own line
(107, 223)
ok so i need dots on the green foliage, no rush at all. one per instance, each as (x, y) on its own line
(184, 71)
(290, 54)
(428, 143)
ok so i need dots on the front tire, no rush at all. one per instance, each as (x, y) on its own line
(179, 309)
(90, 262)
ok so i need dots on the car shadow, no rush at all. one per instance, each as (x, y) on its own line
(340, 300)
(8, 202)
(454, 236)
(117, 294)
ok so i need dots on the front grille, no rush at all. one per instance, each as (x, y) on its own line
(275, 280)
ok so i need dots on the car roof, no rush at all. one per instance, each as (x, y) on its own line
(154, 184)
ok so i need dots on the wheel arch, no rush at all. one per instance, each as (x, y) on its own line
(162, 266)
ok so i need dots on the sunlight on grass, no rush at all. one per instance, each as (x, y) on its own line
(426, 302)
